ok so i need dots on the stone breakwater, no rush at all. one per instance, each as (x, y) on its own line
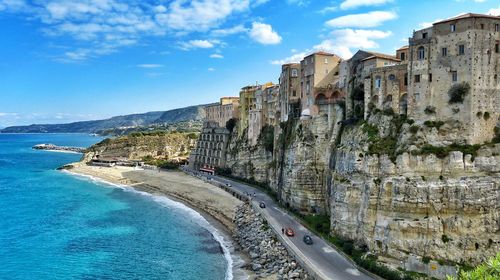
(269, 257)
(52, 147)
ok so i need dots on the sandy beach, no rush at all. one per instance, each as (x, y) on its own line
(174, 184)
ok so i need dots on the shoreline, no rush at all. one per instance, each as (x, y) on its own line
(218, 219)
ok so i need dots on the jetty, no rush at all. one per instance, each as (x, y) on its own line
(52, 147)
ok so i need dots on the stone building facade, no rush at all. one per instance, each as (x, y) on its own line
(221, 112)
(319, 71)
(353, 74)
(210, 149)
(289, 91)
(458, 51)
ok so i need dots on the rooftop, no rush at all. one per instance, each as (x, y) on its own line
(403, 48)
(468, 15)
(381, 55)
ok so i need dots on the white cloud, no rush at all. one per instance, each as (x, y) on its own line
(370, 19)
(341, 42)
(350, 4)
(12, 5)
(328, 9)
(105, 26)
(211, 69)
(295, 58)
(494, 11)
(146, 65)
(216, 55)
(427, 24)
(264, 34)
(479, 1)
(298, 2)
(198, 44)
(229, 31)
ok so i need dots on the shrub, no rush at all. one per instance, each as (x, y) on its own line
(192, 135)
(458, 92)
(479, 115)
(414, 129)
(371, 131)
(224, 171)
(496, 138)
(348, 247)
(445, 238)
(430, 110)
(426, 260)
(488, 270)
(436, 124)
(168, 164)
(388, 112)
(267, 137)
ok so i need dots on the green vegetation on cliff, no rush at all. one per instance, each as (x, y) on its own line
(490, 270)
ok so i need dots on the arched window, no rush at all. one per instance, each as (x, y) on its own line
(392, 77)
(421, 53)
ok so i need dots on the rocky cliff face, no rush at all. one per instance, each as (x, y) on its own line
(164, 146)
(406, 191)
(409, 206)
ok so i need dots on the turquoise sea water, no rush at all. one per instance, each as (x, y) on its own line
(54, 225)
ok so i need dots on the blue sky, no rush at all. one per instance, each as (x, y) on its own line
(62, 61)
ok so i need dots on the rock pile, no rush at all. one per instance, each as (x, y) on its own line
(269, 258)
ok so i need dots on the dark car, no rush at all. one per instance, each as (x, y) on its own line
(228, 185)
(308, 240)
(289, 232)
(262, 205)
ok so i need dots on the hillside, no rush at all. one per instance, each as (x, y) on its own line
(134, 120)
(154, 146)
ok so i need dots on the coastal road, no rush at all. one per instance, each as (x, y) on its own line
(320, 256)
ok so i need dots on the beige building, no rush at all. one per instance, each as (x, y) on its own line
(319, 71)
(457, 53)
(221, 112)
(289, 92)
(247, 103)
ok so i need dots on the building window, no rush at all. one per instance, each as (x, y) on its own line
(454, 76)
(378, 82)
(461, 49)
(430, 77)
(482, 26)
(294, 93)
(406, 79)
(452, 27)
(497, 48)
(444, 51)
(392, 77)
(402, 56)
(308, 87)
(326, 60)
(424, 35)
(295, 73)
(417, 78)
(421, 53)
(497, 28)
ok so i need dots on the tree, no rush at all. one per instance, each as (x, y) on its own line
(490, 270)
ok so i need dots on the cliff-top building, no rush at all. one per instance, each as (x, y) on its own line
(319, 72)
(221, 112)
(289, 92)
(460, 53)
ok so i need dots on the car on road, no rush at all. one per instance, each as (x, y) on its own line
(262, 205)
(228, 185)
(308, 240)
(289, 232)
